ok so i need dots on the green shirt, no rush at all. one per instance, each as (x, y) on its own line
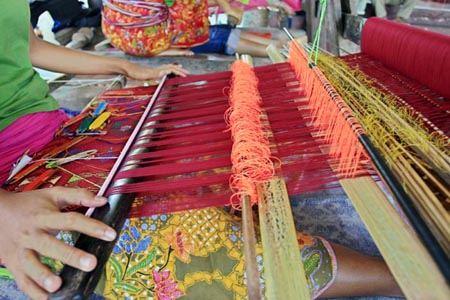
(22, 90)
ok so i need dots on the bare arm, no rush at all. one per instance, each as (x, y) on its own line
(361, 275)
(231, 10)
(64, 60)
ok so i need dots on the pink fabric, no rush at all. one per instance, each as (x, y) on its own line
(296, 5)
(31, 132)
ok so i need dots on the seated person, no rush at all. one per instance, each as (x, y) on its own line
(404, 12)
(65, 13)
(197, 37)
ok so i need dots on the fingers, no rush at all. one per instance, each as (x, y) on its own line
(51, 247)
(139, 72)
(40, 273)
(26, 222)
(37, 281)
(30, 288)
(173, 69)
(72, 196)
(34, 278)
(73, 221)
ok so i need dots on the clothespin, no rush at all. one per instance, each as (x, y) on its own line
(100, 108)
(100, 121)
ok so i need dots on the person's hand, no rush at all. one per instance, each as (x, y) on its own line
(142, 73)
(28, 221)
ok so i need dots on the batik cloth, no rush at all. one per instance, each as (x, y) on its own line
(193, 254)
(196, 253)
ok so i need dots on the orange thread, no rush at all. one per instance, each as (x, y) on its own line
(250, 155)
(330, 115)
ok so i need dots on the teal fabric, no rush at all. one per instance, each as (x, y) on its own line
(22, 91)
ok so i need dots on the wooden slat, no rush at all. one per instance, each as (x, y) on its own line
(283, 267)
(251, 265)
(409, 261)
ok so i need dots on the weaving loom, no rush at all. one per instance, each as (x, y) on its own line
(186, 161)
(175, 186)
(400, 96)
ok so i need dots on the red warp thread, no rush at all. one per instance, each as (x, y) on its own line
(417, 53)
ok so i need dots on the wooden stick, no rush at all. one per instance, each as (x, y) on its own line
(251, 265)
(409, 261)
(283, 267)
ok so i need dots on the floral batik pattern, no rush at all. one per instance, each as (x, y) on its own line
(196, 253)
(149, 27)
(190, 23)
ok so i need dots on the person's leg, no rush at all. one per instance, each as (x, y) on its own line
(406, 9)
(256, 45)
(248, 36)
(380, 8)
(361, 275)
(223, 39)
(251, 48)
(176, 52)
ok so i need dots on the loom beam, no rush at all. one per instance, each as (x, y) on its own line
(78, 285)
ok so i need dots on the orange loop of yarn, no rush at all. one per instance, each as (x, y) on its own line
(241, 186)
(250, 156)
